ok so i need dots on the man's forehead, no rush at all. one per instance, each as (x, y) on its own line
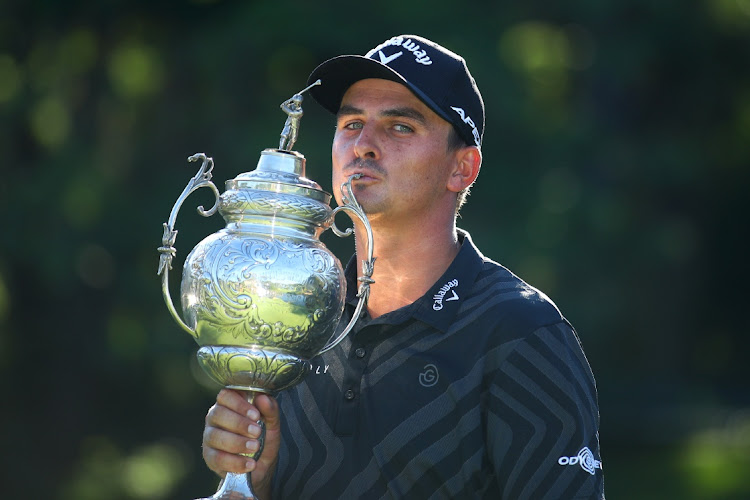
(378, 84)
(390, 91)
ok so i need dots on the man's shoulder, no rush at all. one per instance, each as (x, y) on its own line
(511, 304)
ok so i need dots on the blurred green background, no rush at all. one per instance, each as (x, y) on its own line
(615, 167)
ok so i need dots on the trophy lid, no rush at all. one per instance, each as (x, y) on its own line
(278, 186)
(280, 171)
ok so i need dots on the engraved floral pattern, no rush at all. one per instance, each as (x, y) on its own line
(249, 201)
(259, 291)
(251, 369)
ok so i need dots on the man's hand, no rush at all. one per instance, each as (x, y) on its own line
(232, 428)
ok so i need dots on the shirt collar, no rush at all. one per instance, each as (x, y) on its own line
(442, 301)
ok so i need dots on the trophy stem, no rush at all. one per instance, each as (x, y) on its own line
(238, 486)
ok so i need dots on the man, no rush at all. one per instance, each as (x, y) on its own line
(460, 380)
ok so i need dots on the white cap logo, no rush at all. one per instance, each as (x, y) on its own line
(420, 55)
(467, 120)
(386, 59)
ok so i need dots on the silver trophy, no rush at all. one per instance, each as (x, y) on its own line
(263, 295)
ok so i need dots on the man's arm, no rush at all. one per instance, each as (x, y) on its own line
(543, 419)
(231, 428)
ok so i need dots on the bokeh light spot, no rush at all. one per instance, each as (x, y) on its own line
(135, 71)
(10, 78)
(716, 460)
(538, 50)
(50, 122)
(104, 471)
(731, 15)
(93, 476)
(153, 471)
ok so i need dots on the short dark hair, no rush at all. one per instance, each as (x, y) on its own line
(454, 143)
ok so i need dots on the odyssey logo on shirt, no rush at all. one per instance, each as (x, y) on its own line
(585, 459)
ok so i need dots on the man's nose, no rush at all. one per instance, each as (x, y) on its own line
(366, 144)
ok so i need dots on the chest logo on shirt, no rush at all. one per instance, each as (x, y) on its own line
(439, 297)
(429, 376)
(319, 369)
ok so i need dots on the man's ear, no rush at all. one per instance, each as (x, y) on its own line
(467, 161)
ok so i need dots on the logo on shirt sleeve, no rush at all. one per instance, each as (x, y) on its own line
(585, 459)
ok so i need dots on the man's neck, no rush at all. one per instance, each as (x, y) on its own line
(408, 262)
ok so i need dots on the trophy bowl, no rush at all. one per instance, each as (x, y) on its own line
(263, 295)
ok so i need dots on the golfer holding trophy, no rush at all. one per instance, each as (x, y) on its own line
(458, 380)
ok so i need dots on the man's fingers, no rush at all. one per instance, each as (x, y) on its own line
(224, 418)
(269, 409)
(222, 462)
(232, 431)
(236, 401)
(229, 442)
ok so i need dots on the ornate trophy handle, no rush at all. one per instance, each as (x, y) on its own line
(352, 207)
(167, 250)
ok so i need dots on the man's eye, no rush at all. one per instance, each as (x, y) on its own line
(404, 129)
(352, 125)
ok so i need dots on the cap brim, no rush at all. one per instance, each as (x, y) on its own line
(338, 74)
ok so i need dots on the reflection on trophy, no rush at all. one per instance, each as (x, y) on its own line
(263, 295)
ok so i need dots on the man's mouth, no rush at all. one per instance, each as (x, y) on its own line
(363, 177)
(365, 170)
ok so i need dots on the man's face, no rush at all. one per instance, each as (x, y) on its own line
(399, 145)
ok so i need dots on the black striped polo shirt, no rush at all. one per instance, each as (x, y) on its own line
(479, 389)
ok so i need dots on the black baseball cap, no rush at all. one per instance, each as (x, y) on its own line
(437, 76)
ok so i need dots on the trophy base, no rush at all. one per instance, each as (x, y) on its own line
(232, 495)
(252, 368)
(233, 487)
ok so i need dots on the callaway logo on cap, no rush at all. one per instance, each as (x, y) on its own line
(437, 76)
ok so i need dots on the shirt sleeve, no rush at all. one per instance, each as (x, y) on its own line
(543, 419)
